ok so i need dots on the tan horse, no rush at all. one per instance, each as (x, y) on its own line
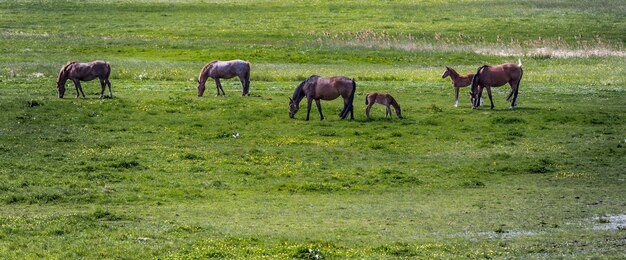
(458, 82)
(225, 70)
(76, 71)
(496, 76)
(319, 88)
(384, 99)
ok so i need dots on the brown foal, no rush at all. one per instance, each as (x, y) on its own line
(384, 99)
(458, 81)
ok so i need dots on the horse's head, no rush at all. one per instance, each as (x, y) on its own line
(293, 108)
(476, 87)
(200, 88)
(446, 73)
(472, 99)
(60, 89)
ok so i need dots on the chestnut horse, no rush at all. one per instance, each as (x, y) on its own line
(316, 88)
(384, 99)
(496, 76)
(458, 81)
(225, 70)
(77, 71)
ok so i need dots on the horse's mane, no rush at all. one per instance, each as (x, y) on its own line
(394, 103)
(476, 77)
(299, 90)
(209, 65)
(453, 72)
(64, 69)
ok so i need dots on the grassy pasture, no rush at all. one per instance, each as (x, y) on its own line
(155, 171)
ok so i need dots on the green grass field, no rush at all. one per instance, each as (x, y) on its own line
(155, 171)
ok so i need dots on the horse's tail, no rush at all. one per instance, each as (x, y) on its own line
(366, 97)
(108, 70)
(516, 90)
(349, 107)
(352, 96)
(247, 74)
(508, 97)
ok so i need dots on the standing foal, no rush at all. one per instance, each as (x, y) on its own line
(458, 81)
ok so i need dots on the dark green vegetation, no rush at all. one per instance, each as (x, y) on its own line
(156, 172)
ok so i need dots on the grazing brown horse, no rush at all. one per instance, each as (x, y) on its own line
(225, 70)
(458, 82)
(316, 88)
(384, 99)
(496, 76)
(76, 71)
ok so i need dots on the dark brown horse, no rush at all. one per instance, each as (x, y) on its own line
(384, 99)
(496, 76)
(458, 81)
(76, 71)
(225, 70)
(316, 88)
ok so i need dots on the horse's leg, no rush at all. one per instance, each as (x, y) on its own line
(489, 93)
(109, 84)
(218, 86)
(247, 81)
(319, 108)
(456, 95)
(387, 111)
(103, 86)
(308, 107)
(351, 112)
(367, 109)
(77, 91)
(514, 90)
(243, 85)
(78, 88)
